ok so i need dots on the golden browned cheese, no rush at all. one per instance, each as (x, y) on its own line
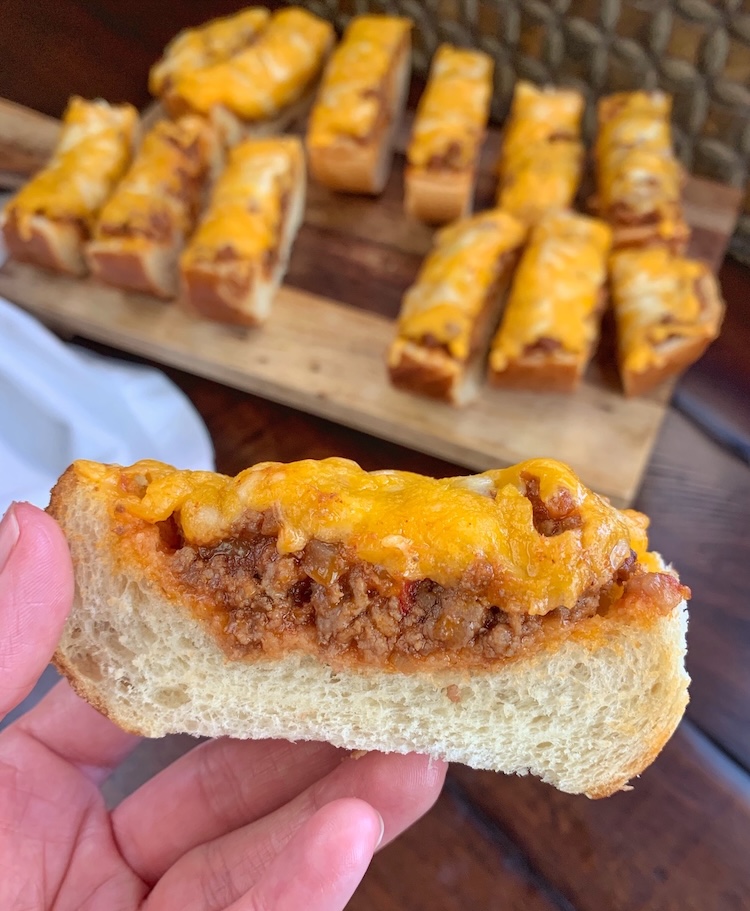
(541, 157)
(264, 78)
(656, 298)
(92, 154)
(556, 293)
(159, 196)
(352, 100)
(540, 115)
(624, 115)
(414, 527)
(545, 180)
(245, 213)
(638, 176)
(452, 286)
(196, 48)
(453, 111)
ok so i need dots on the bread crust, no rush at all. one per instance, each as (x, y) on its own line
(56, 245)
(149, 270)
(438, 195)
(426, 371)
(681, 355)
(539, 373)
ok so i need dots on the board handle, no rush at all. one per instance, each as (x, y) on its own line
(27, 139)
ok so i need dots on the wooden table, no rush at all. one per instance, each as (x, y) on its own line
(681, 840)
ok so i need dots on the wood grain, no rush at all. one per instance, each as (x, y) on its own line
(478, 864)
(329, 360)
(27, 139)
(698, 497)
(678, 842)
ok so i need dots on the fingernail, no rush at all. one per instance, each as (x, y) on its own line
(382, 832)
(9, 532)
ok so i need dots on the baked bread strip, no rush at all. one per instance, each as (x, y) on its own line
(512, 620)
(448, 313)
(447, 136)
(668, 310)
(142, 230)
(49, 220)
(213, 42)
(262, 86)
(360, 101)
(639, 179)
(541, 156)
(238, 255)
(551, 323)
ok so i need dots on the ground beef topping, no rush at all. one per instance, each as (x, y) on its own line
(324, 599)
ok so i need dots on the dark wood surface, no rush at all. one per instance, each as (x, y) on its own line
(681, 840)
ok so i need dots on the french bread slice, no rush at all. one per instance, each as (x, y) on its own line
(585, 714)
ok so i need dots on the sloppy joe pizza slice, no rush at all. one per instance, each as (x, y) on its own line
(262, 87)
(513, 620)
(541, 156)
(447, 314)
(639, 179)
(668, 310)
(447, 136)
(551, 323)
(237, 257)
(359, 103)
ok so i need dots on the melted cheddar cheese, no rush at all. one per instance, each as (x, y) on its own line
(265, 77)
(544, 180)
(624, 106)
(159, 195)
(92, 154)
(211, 43)
(452, 286)
(541, 156)
(656, 298)
(245, 214)
(556, 293)
(412, 526)
(540, 115)
(356, 89)
(639, 178)
(453, 111)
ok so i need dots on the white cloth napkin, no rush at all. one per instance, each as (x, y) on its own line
(59, 402)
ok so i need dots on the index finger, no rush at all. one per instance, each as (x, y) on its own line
(36, 594)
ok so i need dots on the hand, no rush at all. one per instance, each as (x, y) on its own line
(234, 825)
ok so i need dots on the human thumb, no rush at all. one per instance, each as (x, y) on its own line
(36, 594)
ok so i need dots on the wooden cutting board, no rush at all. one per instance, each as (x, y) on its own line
(323, 349)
